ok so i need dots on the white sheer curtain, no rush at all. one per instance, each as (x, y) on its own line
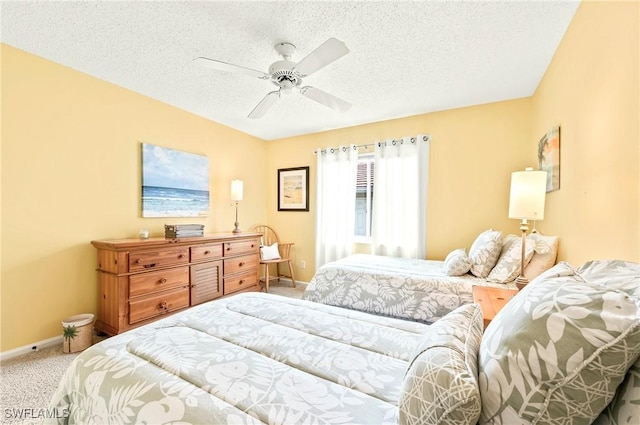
(336, 173)
(400, 197)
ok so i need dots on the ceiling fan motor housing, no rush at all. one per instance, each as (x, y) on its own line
(283, 75)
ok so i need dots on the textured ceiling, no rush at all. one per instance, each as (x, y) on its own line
(406, 58)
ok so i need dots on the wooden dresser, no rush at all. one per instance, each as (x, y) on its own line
(142, 280)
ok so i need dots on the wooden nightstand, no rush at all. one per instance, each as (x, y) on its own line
(491, 300)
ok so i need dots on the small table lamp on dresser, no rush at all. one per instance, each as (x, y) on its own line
(526, 202)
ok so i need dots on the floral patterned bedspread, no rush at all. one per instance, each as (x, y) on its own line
(412, 289)
(249, 358)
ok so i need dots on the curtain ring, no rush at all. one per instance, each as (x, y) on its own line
(332, 150)
(393, 142)
(413, 140)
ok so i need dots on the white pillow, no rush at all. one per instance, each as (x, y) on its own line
(441, 383)
(269, 252)
(457, 263)
(485, 251)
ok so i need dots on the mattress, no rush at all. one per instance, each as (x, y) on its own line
(410, 289)
(249, 358)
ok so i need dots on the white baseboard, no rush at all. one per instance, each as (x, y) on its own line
(6, 355)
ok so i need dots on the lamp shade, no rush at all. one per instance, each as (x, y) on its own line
(528, 190)
(236, 190)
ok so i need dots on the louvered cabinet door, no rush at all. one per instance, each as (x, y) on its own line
(206, 282)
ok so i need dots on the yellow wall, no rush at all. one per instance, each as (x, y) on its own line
(71, 173)
(473, 152)
(591, 90)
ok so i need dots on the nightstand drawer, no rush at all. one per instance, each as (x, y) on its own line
(491, 300)
(147, 283)
(158, 304)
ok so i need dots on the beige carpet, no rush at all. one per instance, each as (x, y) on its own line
(28, 382)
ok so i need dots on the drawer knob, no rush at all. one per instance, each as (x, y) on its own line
(163, 280)
(181, 256)
(207, 252)
(241, 263)
(241, 282)
(139, 261)
(228, 248)
(163, 306)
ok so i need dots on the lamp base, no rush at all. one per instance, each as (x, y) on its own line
(237, 224)
(521, 282)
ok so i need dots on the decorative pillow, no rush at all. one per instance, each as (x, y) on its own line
(556, 353)
(614, 274)
(457, 263)
(508, 266)
(625, 407)
(484, 252)
(544, 255)
(623, 276)
(440, 386)
(269, 252)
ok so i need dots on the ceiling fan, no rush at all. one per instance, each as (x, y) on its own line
(288, 75)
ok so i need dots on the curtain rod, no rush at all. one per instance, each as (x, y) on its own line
(366, 145)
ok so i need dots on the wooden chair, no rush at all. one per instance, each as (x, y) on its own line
(269, 237)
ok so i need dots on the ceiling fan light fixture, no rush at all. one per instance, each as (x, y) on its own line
(288, 75)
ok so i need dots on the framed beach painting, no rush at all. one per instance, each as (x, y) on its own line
(174, 183)
(293, 189)
(549, 157)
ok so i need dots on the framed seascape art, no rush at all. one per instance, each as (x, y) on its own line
(293, 189)
(174, 183)
(549, 157)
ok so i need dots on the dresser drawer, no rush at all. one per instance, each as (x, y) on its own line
(205, 252)
(155, 305)
(146, 283)
(240, 281)
(241, 247)
(240, 264)
(149, 260)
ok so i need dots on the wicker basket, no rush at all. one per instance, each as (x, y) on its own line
(84, 333)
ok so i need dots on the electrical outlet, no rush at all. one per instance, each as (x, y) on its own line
(303, 264)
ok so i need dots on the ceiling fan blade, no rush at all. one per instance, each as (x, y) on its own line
(324, 54)
(224, 66)
(267, 102)
(325, 98)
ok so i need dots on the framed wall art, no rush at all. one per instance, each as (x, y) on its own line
(174, 183)
(293, 189)
(549, 157)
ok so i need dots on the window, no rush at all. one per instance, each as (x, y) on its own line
(364, 196)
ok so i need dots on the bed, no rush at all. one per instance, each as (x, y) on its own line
(426, 290)
(249, 358)
(260, 358)
(411, 289)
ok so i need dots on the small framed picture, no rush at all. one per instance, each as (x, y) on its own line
(293, 189)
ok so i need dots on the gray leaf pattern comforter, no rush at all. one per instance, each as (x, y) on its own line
(405, 288)
(247, 359)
